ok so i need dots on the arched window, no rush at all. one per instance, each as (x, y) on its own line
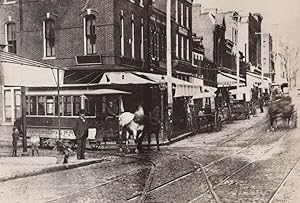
(90, 34)
(11, 37)
(49, 38)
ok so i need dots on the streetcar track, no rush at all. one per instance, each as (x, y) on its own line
(242, 168)
(198, 169)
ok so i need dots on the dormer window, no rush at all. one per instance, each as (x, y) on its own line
(90, 34)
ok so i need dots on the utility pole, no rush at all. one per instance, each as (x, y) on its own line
(169, 56)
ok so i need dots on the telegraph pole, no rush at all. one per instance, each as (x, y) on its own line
(169, 56)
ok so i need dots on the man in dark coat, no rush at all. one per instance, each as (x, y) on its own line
(80, 129)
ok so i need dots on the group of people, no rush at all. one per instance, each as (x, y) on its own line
(17, 133)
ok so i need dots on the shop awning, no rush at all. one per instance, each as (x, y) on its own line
(228, 80)
(76, 92)
(20, 71)
(254, 79)
(183, 88)
(204, 95)
(123, 78)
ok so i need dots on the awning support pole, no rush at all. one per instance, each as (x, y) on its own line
(23, 121)
(59, 104)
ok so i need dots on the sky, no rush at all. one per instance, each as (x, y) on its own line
(280, 15)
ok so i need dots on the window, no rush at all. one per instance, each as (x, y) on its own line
(11, 37)
(32, 105)
(132, 37)
(187, 13)
(122, 34)
(9, 1)
(182, 47)
(90, 107)
(176, 10)
(90, 34)
(49, 105)
(181, 13)
(76, 105)
(142, 41)
(7, 105)
(49, 33)
(41, 105)
(142, 3)
(177, 45)
(18, 110)
(187, 49)
(67, 100)
(56, 106)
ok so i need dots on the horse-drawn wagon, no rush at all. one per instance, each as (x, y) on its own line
(240, 103)
(207, 116)
(282, 112)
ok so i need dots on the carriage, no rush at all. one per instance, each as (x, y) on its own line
(282, 112)
(207, 117)
(240, 103)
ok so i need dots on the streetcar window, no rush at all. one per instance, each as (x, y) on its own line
(76, 105)
(41, 105)
(90, 107)
(56, 106)
(67, 105)
(32, 105)
(49, 105)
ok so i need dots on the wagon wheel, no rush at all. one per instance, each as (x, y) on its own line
(96, 146)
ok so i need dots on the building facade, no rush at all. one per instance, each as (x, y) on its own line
(249, 42)
(181, 38)
(268, 65)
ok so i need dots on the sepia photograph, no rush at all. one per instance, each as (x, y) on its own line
(149, 101)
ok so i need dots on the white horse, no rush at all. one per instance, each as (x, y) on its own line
(129, 123)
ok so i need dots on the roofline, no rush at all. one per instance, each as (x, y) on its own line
(27, 61)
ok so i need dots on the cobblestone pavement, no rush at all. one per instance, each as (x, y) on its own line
(242, 163)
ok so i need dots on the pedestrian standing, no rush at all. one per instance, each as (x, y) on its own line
(80, 129)
(34, 141)
(169, 123)
(15, 137)
(261, 104)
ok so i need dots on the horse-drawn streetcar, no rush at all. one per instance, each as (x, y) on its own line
(102, 108)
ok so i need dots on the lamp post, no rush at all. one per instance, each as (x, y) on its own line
(162, 88)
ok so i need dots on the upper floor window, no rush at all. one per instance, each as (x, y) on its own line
(90, 34)
(49, 38)
(122, 34)
(142, 3)
(11, 37)
(9, 1)
(132, 37)
(142, 40)
(187, 13)
(176, 10)
(181, 14)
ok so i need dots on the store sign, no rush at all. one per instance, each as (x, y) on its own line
(53, 133)
(226, 83)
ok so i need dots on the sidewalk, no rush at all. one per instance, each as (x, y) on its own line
(20, 167)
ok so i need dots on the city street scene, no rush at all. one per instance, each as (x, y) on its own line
(149, 101)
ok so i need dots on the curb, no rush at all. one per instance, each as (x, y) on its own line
(51, 169)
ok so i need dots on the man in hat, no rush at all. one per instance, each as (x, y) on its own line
(80, 129)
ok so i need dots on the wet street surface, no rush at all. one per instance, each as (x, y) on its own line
(245, 162)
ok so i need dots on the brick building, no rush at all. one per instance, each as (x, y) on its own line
(268, 65)
(181, 38)
(107, 35)
(249, 42)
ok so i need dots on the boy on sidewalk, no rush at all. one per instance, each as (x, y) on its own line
(34, 140)
(15, 137)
